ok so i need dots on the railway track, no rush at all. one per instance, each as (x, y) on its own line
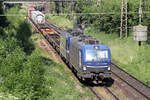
(59, 30)
(137, 85)
(102, 96)
(57, 58)
(96, 93)
(112, 93)
(93, 89)
(56, 54)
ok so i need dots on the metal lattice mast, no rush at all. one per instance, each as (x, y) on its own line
(47, 6)
(124, 19)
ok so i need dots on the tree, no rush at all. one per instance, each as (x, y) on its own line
(23, 36)
(3, 19)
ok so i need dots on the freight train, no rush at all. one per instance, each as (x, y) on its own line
(37, 16)
(85, 55)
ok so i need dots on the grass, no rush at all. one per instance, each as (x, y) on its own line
(60, 21)
(127, 54)
(58, 80)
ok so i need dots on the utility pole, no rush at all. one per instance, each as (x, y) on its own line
(46, 5)
(71, 6)
(57, 8)
(140, 12)
(124, 19)
(140, 17)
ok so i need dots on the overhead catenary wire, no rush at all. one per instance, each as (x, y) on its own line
(105, 13)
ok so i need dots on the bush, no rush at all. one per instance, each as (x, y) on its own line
(21, 71)
(3, 19)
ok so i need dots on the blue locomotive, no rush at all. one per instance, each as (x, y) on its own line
(88, 58)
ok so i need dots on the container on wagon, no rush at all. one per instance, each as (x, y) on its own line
(38, 17)
(48, 31)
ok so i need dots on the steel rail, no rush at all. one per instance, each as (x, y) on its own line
(133, 82)
(112, 93)
(96, 93)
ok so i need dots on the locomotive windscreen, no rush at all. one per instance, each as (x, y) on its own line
(96, 55)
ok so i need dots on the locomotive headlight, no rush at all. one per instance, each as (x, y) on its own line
(84, 68)
(109, 68)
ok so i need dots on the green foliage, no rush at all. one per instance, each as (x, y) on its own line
(21, 68)
(141, 63)
(61, 21)
(14, 20)
(21, 30)
(3, 19)
(106, 16)
(2, 34)
(23, 35)
(23, 75)
(33, 82)
(11, 68)
(101, 17)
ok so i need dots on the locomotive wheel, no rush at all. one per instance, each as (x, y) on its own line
(70, 66)
(60, 55)
(73, 70)
(108, 81)
(67, 62)
(82, 80)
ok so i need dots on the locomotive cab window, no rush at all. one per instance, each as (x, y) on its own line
(96, 55)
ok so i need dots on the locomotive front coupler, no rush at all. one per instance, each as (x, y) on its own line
(97, 79)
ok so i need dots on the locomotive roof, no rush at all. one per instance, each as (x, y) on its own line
(84, 40)
(79, 36)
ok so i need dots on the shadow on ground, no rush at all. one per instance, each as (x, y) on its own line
(23, 35)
